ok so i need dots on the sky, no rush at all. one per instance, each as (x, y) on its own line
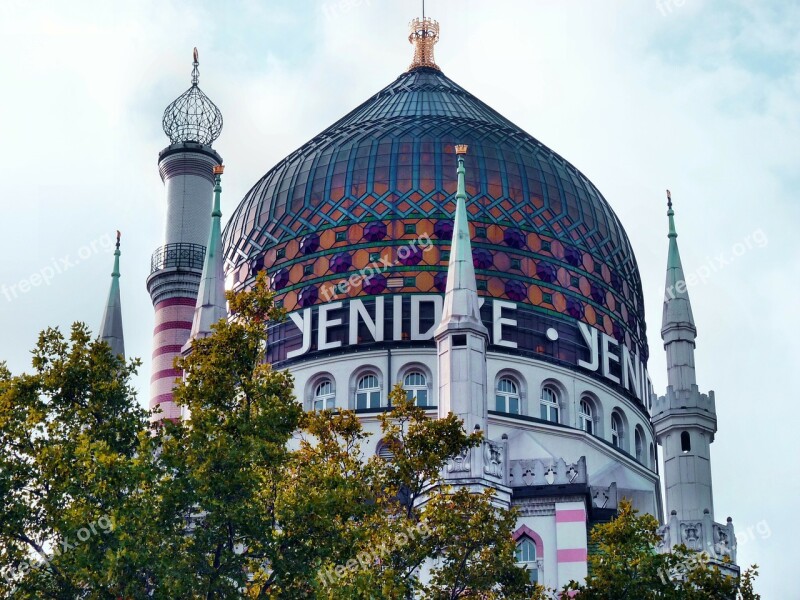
(698, 96)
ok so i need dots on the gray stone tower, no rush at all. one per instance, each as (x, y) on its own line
(192, 123)
(685, 420)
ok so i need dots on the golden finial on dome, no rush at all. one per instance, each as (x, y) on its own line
(461, 149)
(423, 36)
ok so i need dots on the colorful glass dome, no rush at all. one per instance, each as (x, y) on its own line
(385, 174)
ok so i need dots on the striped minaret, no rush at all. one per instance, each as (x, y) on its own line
(192, 123)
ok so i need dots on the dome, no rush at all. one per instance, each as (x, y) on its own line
(385, 174)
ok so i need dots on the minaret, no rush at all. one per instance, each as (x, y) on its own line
(192, 123)
(111, 327)
(461, 341)
(461, 337)
(211, 303)
(685, 420)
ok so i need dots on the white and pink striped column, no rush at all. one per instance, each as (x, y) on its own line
(172, 325)
(176, 267)
(571, 541)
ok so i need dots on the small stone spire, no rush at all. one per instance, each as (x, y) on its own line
(461, 295)
(677, 329)
(111, 327)
(211, 302)
(423, 36)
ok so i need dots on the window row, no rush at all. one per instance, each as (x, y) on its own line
(508, 399)
(369, 392)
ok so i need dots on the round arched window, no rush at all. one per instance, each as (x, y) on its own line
(368, 392)
(549, 404)
(324, 395)
(416, 386)
(617, 432)
(585, 416)
(507, 396)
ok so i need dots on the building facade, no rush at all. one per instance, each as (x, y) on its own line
(425, 239)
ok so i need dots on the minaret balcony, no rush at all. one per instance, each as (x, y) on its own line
(178, 256)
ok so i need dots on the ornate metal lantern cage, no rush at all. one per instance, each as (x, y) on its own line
(193, 117)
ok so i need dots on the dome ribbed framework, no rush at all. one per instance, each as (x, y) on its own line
(385, 173)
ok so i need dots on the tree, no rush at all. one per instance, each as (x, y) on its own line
(249, 498)
(75, 474)
(627, 565)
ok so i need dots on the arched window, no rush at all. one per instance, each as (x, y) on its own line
(686, 442)
(368, 392)
(526, 557)
(652, 456)
(585, 417)
(416, 386)
(549, 404)
(617, 431)
(638, 441)
(507, 396)
(324, 395)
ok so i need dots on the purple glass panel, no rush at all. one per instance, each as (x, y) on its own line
(341, 262)
(443, 229)
(375, 284)
(280, 279)
(409, 255)
(514, 238)
(575, 308)
(308, 296)
(516, 290)
(546, 272)
(309, 244)
(618, 333)
(440, 281)
(482, 258)
(598, 293)
(573, 256)
(374, 231)
(616, 281)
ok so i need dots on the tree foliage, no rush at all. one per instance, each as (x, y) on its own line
(249, 497)
(627, 565)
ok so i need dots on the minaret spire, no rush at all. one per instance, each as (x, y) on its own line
(111, 327)
(684, 420)
(461, 294)
(211, 303)
(677, 326)
(461, 336)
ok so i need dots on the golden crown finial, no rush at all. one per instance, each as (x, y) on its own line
(461, 149)
(423, 36)
(218, 169)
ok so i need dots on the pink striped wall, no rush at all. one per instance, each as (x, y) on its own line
(173, 323)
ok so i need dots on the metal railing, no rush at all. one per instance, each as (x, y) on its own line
(187, 256)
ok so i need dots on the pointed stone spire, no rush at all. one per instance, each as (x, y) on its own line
(111, 327)
(211, 302)
(461, 337)
(677, 329)
(684, 420)
(461, 308)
